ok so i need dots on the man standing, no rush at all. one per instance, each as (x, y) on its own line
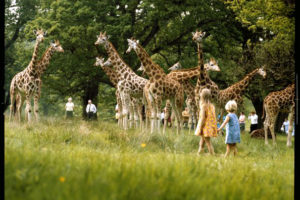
(91, 110)
(69, 108)
(253, 117)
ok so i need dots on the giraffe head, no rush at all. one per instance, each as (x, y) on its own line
(212, 65)
(102, 39)
(39, 34)
(198, 36)
(132, 44)
(57, 46)
(176, 66)
(261, 71)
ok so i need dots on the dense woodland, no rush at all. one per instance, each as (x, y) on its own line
(241, 35)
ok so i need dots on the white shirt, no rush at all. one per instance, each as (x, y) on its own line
(69, 106)
(253, 118)
(117, 107)
(162, 115)
(242, 119)
(91, 108)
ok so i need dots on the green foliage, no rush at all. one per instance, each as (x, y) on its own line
(96, 160)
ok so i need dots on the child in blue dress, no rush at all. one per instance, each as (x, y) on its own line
(232, 128)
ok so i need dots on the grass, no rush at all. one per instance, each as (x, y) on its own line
(55, 159)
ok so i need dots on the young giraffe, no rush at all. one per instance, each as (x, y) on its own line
(203, 79)
(236, 91)
(274, 102)
(183, 76)
(114, 79)
(40, 67)
(130, 84)
(24, 83)
(158, 88)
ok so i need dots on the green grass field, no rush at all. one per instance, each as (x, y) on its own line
(55, 159)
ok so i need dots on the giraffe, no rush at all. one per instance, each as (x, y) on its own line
(24, 82)
(183, 76)
(35, 77)
(236, 91)
(114, 79)
(130, 84)
(203, 80)
(159, 87)
(275, 102)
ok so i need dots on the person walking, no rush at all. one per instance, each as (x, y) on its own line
(69, 108)
(207, 123)
(253, 117)
(242, 121)
(91, 110)
(232, 128)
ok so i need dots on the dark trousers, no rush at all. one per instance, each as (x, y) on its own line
(253, 127)
(69, 114)
(91, 116)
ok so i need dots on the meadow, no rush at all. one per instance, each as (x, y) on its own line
(58, 159)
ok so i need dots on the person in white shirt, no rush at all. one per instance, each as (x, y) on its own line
(286, 125)
(69, 108)
(91, 110)
(242, 121)
(253, 117)
(162, 117)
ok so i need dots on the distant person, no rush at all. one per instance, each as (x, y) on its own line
(207, 123)
(232, 128)
(69, 108)
(117, 112)
(162, 117)
(91, 110)
(185, 116)
(286, 125)
(253, 118)
(242, 121)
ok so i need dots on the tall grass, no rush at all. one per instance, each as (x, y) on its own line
(58, 159)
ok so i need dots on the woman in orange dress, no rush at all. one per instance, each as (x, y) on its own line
(207, 124)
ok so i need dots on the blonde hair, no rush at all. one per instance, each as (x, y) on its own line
(231, 106)
(205, 95)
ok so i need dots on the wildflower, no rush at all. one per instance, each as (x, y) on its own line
(62, 179)
(143, 145)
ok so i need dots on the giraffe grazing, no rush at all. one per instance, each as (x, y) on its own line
(158, 88)
(35, 78)
(25, 82)
(203, 79)
(275, 102)
(236, 91)
(183, 76)
(130, 84)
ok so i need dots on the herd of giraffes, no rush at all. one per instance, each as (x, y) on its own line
(133, 91)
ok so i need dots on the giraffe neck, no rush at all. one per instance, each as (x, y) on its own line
(35, 54)
(112, 75)
(119, 64)
(43, 63)
(153, 71)
(244, 83)
(188, 89)
(202, 78)
(200, 56)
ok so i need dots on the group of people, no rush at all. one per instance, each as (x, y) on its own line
(91, 110)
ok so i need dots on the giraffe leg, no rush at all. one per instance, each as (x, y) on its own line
(131, 115)
(125, 109)
(36, 105)
(157, 113)
(177, 111)
(167, 115)
(28, 109)
(266, 128)
(19, 104)
(136, 114)
(291, 127)
(12, 105)
(140, 115)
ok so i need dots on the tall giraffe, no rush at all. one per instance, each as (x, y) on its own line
(24, 83)
(183, 76)
(236, 91)
(159, 87)
(275, 102)
(203, 79)
(130, 84)
(40, 67)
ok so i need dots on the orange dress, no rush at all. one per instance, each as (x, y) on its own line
(210, 123)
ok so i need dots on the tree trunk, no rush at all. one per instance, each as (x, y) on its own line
(90, 92)
(257, 102)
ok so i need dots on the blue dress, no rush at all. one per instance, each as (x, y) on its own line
(232, 130)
